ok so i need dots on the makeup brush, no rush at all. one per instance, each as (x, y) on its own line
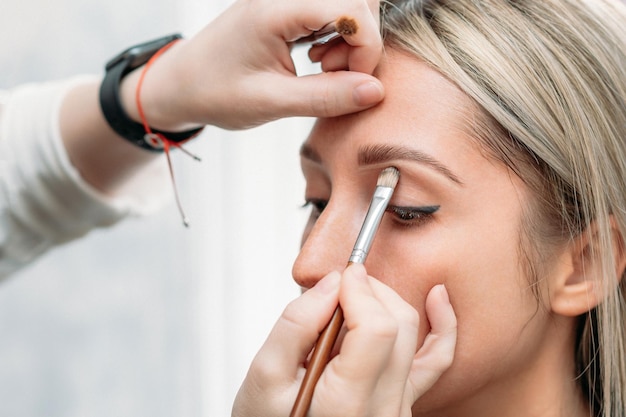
(343, 26)
(385, 186)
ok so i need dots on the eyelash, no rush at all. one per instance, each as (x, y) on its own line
(318, 205)
(403, 215)
(411, 216)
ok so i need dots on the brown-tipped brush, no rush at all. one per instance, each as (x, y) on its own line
(342, 26)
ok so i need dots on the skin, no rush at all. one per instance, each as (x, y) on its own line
(513, 355)
(242, 54)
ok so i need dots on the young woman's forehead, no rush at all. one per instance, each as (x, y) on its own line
(418, 102)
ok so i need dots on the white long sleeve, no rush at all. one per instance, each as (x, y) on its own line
(43, 200)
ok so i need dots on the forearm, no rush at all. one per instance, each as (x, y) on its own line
(104, 159)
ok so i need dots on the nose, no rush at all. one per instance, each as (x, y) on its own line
(328, 243)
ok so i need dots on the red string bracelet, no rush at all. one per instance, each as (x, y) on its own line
(158, 140)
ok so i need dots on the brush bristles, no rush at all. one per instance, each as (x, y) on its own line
(388, 177)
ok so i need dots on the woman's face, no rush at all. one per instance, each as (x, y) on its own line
(455, 219)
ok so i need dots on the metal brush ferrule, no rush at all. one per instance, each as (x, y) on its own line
(325, 35)
(377, 208)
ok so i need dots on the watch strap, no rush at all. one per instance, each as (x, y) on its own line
(110, 103)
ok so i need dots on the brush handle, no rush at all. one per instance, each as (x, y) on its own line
(319, 359)
(385, 186)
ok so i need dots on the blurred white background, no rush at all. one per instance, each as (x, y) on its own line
(148, 318)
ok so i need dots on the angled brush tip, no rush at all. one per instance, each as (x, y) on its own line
(388, 177)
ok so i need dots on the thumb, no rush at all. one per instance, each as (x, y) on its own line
(437, 352)
(328, 94)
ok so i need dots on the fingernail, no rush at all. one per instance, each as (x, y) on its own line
(358, 271)
(368, 94)
(443, 293)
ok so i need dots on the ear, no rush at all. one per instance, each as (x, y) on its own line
(577, 283)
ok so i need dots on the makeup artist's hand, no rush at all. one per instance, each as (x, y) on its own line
(238, 72)
(377, 371)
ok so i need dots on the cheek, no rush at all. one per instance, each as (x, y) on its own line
(481, 272)
(498, 324)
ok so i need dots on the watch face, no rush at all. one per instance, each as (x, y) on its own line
(139, 55)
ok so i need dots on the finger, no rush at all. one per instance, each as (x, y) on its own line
(379, 389)
(406, 317)
(388, 396)
(370, 337)
(296, 331)
(437, 353)
(367, 46)
(393, 382)
(340, 56)
(317, 52)
(321, 95)
(354, 19)
(328, 52)
(336, 58)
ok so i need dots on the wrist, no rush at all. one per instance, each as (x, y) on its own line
(159, 95)
(123, 97)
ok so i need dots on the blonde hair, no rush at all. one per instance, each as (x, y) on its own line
(550, 77)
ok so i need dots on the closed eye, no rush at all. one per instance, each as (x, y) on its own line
(412, 216)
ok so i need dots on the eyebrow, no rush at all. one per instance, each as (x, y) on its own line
(381, 153)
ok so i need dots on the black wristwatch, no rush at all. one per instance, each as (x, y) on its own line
(116, 69)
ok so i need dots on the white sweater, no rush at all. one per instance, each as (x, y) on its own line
(43, 199)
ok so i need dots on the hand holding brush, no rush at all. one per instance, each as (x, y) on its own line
(385, 186)
(381, 371)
